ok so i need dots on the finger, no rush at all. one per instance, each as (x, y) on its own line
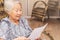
(28, 39)
(37, 39)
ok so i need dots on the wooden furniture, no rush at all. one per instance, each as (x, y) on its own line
(52, 7)
(1, 8)
(2, 12)
(52, 4)
(39, 12)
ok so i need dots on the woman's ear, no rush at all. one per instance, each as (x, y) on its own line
(1, 39)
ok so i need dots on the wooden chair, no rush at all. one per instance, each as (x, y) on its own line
(39, 12)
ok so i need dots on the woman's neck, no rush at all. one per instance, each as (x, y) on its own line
(16, 22)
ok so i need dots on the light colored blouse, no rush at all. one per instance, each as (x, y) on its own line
(9, 31)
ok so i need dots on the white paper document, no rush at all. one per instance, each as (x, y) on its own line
(36, 33)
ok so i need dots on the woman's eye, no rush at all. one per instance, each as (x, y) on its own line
(18, 10)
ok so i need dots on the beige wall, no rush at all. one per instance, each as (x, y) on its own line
(24, 6)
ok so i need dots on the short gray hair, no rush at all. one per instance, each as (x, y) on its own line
(8, 4)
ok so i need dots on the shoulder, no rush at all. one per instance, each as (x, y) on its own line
(23, 19)
(26, 23)
(3, 24)
(3, 27)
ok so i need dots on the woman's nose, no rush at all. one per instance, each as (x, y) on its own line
(19, 12)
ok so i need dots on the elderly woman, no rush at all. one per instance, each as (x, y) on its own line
(14, 26)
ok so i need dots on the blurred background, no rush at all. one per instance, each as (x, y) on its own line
(39, 12)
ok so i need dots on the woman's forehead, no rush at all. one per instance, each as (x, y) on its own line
(17, 6)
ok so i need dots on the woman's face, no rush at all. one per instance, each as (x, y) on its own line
(16, 12)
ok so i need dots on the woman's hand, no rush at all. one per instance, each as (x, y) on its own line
(21, 38)
(1, 39)
(38, 38)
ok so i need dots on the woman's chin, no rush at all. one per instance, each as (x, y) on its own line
(17, 19)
